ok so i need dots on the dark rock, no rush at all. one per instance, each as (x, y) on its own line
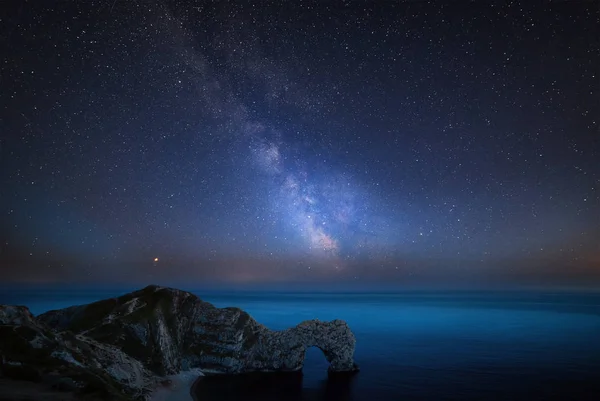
(31, 352)
(65, 384)
(21, 372)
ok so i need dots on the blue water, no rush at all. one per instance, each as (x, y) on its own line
(424, 346)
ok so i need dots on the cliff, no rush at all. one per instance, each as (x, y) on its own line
(32, 352)
(122, 347)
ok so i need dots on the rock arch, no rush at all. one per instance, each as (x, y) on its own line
(286, 350)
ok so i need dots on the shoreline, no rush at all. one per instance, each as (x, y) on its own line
(193, 388)
(180, 389)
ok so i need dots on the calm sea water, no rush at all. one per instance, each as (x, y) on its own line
(418, 346)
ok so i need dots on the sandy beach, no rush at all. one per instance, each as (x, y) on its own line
(180, 388)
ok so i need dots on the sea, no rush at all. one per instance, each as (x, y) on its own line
(413, 345)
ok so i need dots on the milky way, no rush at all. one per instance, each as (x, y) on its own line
(395, 143)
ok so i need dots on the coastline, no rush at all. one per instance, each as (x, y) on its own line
(193, 388)
(181, 387)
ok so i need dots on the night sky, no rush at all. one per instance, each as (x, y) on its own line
(390, 143)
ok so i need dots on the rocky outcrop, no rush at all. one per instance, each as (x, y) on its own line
(127, 344)
(30, 351)
(169, 330)
(285, 350)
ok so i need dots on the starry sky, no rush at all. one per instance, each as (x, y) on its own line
(300, 142)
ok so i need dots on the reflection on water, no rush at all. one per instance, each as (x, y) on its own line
(272, 387)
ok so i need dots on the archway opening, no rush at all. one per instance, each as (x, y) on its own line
(315, 368)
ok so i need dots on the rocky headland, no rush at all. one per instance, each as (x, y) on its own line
(123, 348)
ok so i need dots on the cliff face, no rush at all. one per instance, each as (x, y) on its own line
(30, 351)
(128, 343)
(170, 330)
